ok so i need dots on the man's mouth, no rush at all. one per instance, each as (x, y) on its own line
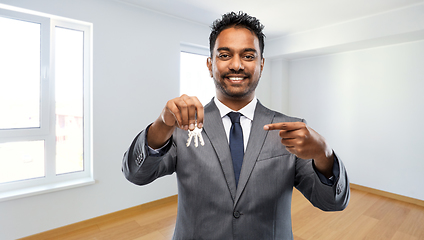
(236, 78)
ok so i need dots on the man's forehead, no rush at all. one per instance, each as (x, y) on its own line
(237, 38)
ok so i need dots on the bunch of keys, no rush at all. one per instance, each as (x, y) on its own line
(196, 133)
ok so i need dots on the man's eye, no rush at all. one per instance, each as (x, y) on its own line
(224, 56)
(249, 57)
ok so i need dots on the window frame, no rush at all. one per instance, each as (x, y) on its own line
(194, 49)
(46, 131)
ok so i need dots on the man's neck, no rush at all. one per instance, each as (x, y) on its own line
(235, 104)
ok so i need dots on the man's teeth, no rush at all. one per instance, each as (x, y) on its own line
(235, 78)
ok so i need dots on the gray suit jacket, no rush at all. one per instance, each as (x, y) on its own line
(209, 204)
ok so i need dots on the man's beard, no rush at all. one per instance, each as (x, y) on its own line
(222, 86)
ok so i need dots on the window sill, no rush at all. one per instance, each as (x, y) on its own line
(47, 188)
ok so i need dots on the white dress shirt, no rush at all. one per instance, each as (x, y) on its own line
(245, 120)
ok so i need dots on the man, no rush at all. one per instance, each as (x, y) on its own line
(239, 184)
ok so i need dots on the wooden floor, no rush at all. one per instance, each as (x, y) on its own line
(368, 216)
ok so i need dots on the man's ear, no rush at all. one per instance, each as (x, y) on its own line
(262, 64)
(209, 64)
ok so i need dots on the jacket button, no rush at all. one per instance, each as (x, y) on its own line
(236, 214)
(338, 189)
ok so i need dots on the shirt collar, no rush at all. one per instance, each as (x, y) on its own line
(247, 111)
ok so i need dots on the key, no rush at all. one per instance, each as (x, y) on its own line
(196, 135)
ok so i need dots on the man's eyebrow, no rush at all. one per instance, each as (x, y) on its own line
(250, 50)
(244, 50)
(223, 49)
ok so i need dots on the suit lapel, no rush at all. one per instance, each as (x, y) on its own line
(257, 137)
(215, 131)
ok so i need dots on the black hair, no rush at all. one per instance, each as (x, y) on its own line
(239, 19)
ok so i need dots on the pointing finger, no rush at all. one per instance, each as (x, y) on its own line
(288, 126)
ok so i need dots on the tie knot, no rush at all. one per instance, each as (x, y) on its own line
(234, 116)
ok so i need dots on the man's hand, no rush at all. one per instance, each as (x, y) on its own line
(302, 141)
(182, 112)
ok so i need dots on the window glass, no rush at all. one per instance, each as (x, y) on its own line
(69, 67)
(21, 160)
(19, 74)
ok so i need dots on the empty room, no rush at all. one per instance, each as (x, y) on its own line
(185, 119)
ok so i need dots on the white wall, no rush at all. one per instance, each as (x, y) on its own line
(273, 88)
(369, 104)
(360, 84)
(136, 55)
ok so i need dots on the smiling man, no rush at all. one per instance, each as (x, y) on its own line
(239, 184)
(236, 65)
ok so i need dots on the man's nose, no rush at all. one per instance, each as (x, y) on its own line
(236, 64)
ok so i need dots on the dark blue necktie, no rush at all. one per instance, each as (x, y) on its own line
(236, 143)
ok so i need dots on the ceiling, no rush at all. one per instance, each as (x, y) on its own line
(280, 17)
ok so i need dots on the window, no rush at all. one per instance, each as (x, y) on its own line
(45, 103)
(194, 74)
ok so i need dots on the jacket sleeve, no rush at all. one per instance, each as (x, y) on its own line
(322, 196)
(140, 168)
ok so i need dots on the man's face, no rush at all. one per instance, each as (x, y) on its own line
(236, 64)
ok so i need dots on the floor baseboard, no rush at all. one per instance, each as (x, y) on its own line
(388, 194)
